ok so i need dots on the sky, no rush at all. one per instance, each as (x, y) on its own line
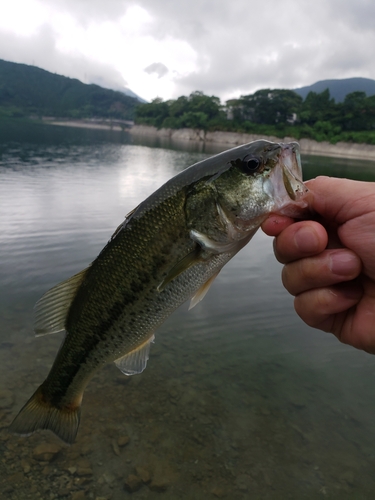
(168, 48)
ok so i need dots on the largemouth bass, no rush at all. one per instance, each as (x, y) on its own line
(169, 249)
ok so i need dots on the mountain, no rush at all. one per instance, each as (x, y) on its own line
(338, 89)
(130, 93)
(28, 90)
(102, 81)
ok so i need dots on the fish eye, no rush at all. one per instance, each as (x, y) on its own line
(250, 164)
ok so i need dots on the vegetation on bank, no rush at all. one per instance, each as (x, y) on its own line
(269, 112)
(29, 91)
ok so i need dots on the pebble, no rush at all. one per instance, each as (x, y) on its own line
(84, 463)
(218, 492)
(144, 474)
(8, 489)
(25, 466)
(348, 477)
(115, 448)
(84, 471)
(78, 495)
(109, 478)
(64, 492)
(244, 482)
(6, 398)
(123, 441)
(45, 452)
(158, 484)
(132, 483)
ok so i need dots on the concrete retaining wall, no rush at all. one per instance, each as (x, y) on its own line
(341, 149)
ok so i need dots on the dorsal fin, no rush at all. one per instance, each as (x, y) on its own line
(124, 223)
(52, 308)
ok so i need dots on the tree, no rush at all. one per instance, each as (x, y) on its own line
(195, 111)
(153, 113)
(269, 107)
(201, 103)
(318, 107)
(358, 112)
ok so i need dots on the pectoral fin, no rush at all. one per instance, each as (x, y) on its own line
(200, 294)
(189, 260)
(135, 361)
(214, 246)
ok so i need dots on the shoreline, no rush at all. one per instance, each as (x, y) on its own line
(308, 147)
(119, 125)
(354, 151)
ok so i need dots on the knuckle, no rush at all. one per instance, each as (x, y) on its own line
(306, 271)
(324, 298)
(286, 276)
(299, 276)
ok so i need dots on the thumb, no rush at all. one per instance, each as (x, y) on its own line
(340, 200)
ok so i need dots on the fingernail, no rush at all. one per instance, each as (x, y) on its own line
(306, 240)
(343, 263)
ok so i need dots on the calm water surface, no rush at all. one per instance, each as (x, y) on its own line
(240, 399)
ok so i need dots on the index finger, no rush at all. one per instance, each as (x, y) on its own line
(274, 224)
(299, 240)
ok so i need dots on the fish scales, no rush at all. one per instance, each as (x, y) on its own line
(113, 314)
(169, 249)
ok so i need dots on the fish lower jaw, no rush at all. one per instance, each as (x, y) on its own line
(249, 225)
(295, 209)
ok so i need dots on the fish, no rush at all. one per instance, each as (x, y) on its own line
(168, 250)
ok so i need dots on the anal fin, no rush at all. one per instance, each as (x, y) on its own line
(135, 361)
(201, 292)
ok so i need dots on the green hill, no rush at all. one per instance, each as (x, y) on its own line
(339, 89)
(28, 90)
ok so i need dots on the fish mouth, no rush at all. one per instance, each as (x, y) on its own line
(293, 186)
(289, 190)
(290, 162)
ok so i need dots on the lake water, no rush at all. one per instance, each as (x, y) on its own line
(240, 399)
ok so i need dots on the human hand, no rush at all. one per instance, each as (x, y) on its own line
(330, 261)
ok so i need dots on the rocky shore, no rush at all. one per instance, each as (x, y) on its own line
(232, 139)
(180, 431)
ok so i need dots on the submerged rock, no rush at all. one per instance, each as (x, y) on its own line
(45, 452)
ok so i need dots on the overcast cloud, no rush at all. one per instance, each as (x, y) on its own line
(168, 48)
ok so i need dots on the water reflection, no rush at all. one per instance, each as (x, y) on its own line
(240, 399)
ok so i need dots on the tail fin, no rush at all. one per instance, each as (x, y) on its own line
(40, 414)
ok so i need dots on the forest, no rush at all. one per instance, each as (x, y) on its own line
(29, 91)
(278, 112)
